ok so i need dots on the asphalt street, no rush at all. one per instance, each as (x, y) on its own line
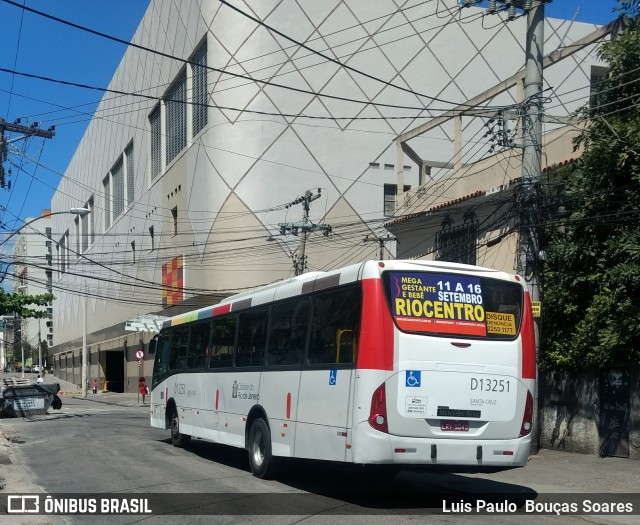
(104, 445)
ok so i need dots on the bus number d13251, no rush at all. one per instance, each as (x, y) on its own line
(490, 385)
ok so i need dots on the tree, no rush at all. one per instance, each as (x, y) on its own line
(591, 313)
(11, 303)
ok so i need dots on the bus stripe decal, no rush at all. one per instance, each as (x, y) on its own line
(376, 338)
(241, 305)
(288, 405)
(528, 341)
(222, 309)
(205, 314)
(217, 397)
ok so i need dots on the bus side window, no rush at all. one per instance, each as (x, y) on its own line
(223, 341)
(161, 362)
(198, 344)
(335, 325)
(180, 339)
(252, 336)
(288, 332)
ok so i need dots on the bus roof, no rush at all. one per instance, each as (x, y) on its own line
(314, 281)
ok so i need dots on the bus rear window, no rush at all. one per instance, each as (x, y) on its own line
(454, 305)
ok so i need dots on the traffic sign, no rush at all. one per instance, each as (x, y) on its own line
(139, 354)
(139, 363)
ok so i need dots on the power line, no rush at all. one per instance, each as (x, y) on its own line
(331, 59)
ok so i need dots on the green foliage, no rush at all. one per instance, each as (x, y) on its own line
(591, 313)
(13, 303)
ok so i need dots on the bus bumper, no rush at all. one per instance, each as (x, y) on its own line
(373, 447)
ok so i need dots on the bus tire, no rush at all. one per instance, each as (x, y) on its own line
(263, 464)
(177, 439)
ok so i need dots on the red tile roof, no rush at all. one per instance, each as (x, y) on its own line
(470, 196)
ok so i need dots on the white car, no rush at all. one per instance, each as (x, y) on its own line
(35, 368)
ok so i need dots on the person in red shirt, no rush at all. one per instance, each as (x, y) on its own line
(142, 387)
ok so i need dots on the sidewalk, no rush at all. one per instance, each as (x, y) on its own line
(108, 398)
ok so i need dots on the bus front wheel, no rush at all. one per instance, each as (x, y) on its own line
(178, 439)
(263, 464)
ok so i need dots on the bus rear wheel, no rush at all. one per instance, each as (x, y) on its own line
(178, 439)
(263, 464)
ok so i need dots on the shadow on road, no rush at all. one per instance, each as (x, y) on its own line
(335, 485)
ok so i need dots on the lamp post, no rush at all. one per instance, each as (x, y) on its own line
(83, 375)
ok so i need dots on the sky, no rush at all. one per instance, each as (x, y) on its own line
(36, 45)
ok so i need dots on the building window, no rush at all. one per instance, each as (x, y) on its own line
(106, 186)
(174, 214)
(199, 75)
(84, 225)
(47, 232)
(63, 252)
(390, 191)
(67, 252)
(458, 243)
(599, 75)
(128, 155)
(61, 255)
(87, 223)
(76, 222)
(176, 117)
(156, 142)
(117, 182)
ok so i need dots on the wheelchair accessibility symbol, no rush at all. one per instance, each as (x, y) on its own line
(333, 375)
(413, 378)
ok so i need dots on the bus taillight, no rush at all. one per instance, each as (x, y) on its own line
(378, 413)
(527, 420)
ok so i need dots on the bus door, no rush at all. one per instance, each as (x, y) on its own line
(326, 382)
(288, 333)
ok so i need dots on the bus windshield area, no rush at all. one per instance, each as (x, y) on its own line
(460, 305)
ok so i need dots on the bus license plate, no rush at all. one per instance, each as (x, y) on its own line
(454, 426)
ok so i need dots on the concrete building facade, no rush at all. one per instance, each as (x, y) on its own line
(218, 119)
(33, 275)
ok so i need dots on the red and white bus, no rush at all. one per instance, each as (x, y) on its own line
(414, 363)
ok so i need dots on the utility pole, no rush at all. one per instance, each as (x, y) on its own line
(381, 242)
(83, 372)
(305, 227)
(32, 130)
(40, 367)
(530, 253)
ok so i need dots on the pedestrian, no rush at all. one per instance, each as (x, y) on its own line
(142, 387)
(39, 380)
(94, 385)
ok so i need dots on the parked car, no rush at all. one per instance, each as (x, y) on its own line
(27, 368)
(35, 368)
